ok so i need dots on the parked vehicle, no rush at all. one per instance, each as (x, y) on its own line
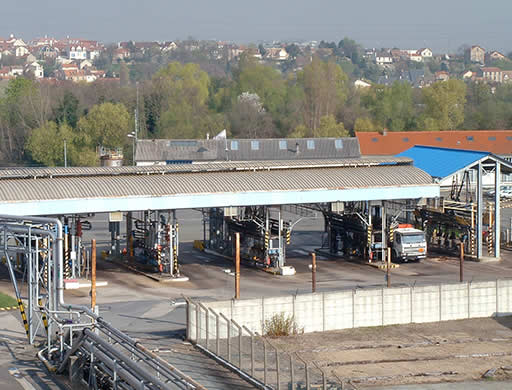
(409, 244)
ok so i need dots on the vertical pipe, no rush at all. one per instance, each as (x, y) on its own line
(388, 268)
(93, 274)
(313, 272)
(479, 209)
(461, 263)
(497, 211)
(237, 265)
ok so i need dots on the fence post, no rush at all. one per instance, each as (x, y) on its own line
(239, 343)
(292, 373)
(217, 332)
(198, 329)
(469, 299)
(252, 349)
(277, 370)
(497, 295)
(228, 335)
(440, 302)
(306, 371)
(206, 312)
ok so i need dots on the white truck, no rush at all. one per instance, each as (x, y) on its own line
(409, 244)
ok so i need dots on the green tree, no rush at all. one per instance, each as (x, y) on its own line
(330, 128)
(107, 124)
(365, 124)
(67, 110)
(325, 91)
(444, 105)
(179, 100)
(262, 80)
(46, 146)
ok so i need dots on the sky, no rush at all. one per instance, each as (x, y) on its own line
(443, 25)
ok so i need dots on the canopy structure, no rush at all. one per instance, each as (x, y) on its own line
(444, 163)
(59, 191)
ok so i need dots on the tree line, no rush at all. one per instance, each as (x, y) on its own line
(252, 101)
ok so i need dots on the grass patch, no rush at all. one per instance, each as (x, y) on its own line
(7, 301)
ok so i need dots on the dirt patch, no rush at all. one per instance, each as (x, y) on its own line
(414, 353)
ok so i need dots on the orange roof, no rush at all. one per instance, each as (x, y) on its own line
(495, 141)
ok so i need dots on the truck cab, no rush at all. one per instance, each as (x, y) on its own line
(409, 244)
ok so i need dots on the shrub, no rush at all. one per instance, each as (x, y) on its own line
(281, 325)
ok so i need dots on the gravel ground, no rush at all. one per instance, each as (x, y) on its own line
(450, 351)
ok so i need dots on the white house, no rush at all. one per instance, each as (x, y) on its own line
(36, 69)
(425, 52)
(77, 53)
(383, 58)
(361, 84)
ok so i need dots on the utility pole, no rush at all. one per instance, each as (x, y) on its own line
(313, 272)
(237, 265)
(136, 130)
(93, 274)
(461, 262)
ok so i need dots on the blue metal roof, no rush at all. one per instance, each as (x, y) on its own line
(441, 162)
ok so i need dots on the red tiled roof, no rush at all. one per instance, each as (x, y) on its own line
(495, 141)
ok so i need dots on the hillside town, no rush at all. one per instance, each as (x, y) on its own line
(83, 60)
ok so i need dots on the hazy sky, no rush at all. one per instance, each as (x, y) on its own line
(440, 24)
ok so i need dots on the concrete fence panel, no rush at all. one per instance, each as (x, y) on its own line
(247, 312)
(396, 306)
(482, 299)
(425, 304)
(338, 310)
(367, 308)
(309, 313)
(504, 297)
(277, 305)
(454, 301)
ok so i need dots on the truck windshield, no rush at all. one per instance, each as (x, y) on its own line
(413, 238)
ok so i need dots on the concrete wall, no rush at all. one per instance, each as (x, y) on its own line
(360, 308)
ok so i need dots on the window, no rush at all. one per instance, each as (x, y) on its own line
(338, 144)
(374, 139)
(283, 145)
(469, 138)
(405, 139)
(310, 144)
(255, 145)
(439, 139)
(234, 145)
(492, 138)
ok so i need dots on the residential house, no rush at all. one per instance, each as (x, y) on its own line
(168, 46)
(425, 53)
(276, 54)
(475, 54)
(48, 51)
(85, 64)
(121, 53)
(77, 52)
(494, 56)
(442, 76)
(9, 72)
(35, 69)
(361, 84)
(416, 57)
(383, 58)
(507, 76)
(467, 75)
(492, 74)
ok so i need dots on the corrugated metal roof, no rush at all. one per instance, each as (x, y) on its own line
(54, 172)
(498, 142)
(118, 186)
(442, 162)
(246, 149)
